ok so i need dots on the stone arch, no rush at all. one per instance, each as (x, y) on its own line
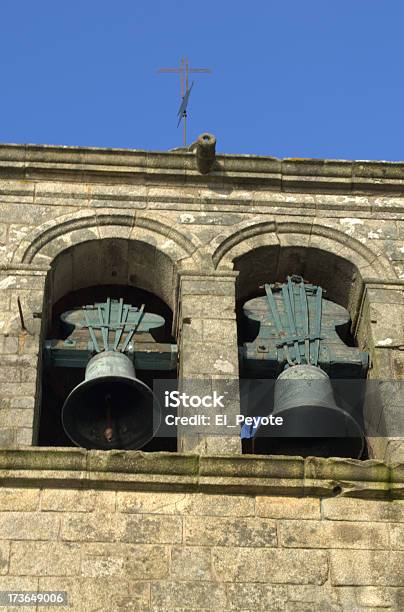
(262, 250)
(50, 238)
(254, 234)
(156, 250)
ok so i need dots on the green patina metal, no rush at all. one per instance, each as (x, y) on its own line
(110, 326)
(297, 325)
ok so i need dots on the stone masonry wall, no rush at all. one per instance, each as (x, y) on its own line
(116, 531)
(181, 551)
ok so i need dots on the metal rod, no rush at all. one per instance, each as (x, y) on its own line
(289, 299)
(104, 330)
(91, 331)
(305, 317)
(184, 70)
(277, 321)
(119, 324)
(21, 314)
(135, 328)
(319, 297)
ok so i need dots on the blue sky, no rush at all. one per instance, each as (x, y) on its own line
(291, 78)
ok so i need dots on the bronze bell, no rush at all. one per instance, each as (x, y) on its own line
(313, 423)
(111, 408)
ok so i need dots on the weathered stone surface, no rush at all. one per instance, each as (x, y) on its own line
(72, 500)
(333, 534)
(185, 503)
(152, 529)
(95, 594)
(397, 536)
(28, 526)
(174, 595)
(352, 509)
(253, 596)
(316, 595)
(370, 597)
(19, 499)
(270, 565)
(132, 561)
(288, 507)
(44, 559)
(88, 527)
(364, 567)
(191, 563)
(215, 531)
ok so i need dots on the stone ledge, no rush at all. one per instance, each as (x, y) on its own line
(251, 474)
(133, 166)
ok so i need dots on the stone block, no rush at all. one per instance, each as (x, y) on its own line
(270, 565)
(10, 374)
(73, 500)
(95, 594)
(184, 503)
(23, 435)
(22, 402)
(191, 563)
(367, 568)
(229, 531)
(352, 509)
(10, 388)
(16, 418)
(89, 527)
(151, 529)
(207, 287)
(309, 593)
(28, 526)
(202, 504)
(381, 596)
(131, 561)
(206, 307)
(287, 507)
(13, 499)
(179, 596)
(45, 559)
(252, 596)
(18, 583)
(397, 536)
(333, 534)
(7, 437)
(200, 358)
(221, 331)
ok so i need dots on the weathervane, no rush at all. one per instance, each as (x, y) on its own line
(184, 71)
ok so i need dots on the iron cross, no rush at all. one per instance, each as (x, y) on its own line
(184, 70)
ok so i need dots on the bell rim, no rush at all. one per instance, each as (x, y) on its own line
(140, 385)
(334, 409)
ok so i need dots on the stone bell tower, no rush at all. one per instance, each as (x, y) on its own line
(198, 267)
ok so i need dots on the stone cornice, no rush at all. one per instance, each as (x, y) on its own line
(39, 162)
(250, 474)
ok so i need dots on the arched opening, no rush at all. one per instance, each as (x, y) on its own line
(339, 277)
(127, 277)
(264, 355)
